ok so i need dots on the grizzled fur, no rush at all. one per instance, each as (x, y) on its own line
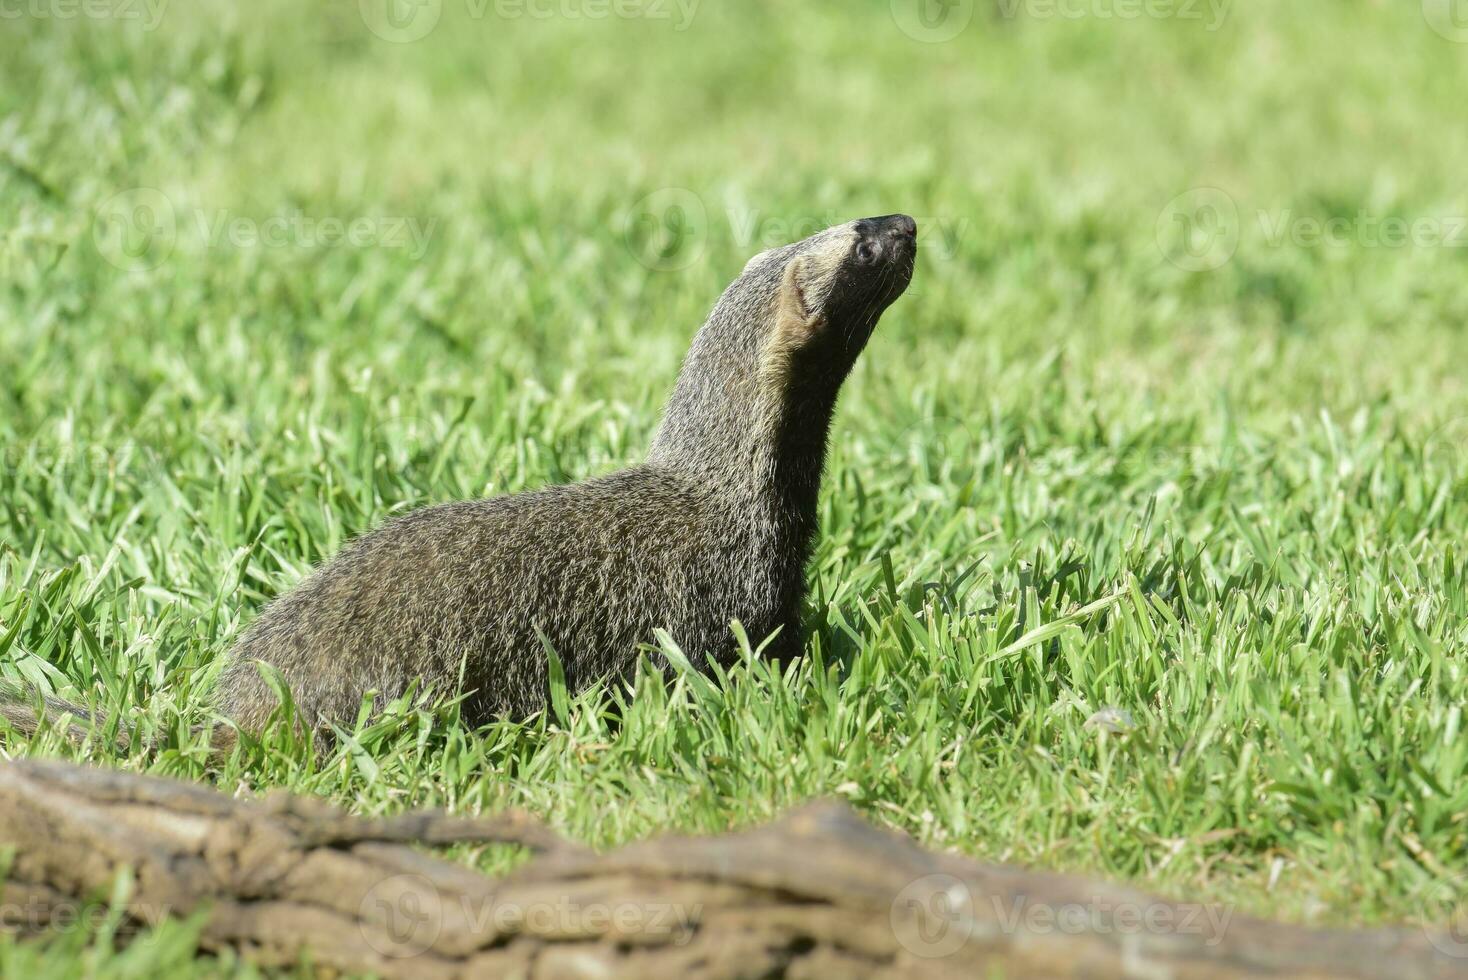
(716, 525)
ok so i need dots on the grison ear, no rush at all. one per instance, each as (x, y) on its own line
(755, 261)
(794, 309)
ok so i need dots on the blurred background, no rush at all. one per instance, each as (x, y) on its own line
(1142, 221)
(578, 161)
(1188, 320)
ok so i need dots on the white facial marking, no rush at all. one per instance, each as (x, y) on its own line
(823, 262)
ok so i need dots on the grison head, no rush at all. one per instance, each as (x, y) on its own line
(828, 292)
(782, 339)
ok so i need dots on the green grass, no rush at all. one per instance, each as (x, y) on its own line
(1263, 465)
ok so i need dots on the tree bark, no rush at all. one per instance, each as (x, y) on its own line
(817, 894)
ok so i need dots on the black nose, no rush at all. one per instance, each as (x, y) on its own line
(894, 226)
(890, 240)
(899, 226)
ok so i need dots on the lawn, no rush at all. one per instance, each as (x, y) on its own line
(1172, 421)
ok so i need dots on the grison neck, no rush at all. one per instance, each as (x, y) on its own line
(763, 452)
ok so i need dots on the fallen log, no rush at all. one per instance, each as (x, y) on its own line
(820, 893)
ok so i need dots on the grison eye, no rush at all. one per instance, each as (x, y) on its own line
(866, 252)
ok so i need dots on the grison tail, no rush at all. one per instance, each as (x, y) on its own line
(20, 714)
